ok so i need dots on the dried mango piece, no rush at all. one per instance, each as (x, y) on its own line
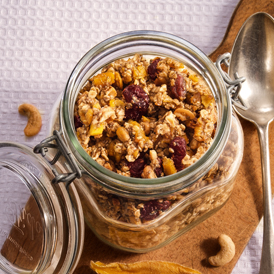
(116, 103)
(134, 123)
(89, 116)
(136, 153)
(194, 78)
(117, 156)
(139, 72)
(146, 125)
(168, 166)
(96, 130)
(112, 153)
(111, 148)
(146, 267)
(126, 75)
(118, 80)
(145, 119)
(139, 132)
(96, 105)
(103, 79)
(207, 100)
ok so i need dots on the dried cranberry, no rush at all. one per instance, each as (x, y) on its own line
(152, 68)
(135, 95)
(153, 208)
(139, 100)
(77, 122)
(136, 168)
(133, 114)
(159, 170)
(177, 159)
(178, 145)
(178, 91)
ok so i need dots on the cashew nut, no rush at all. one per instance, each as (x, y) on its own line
(34, 119)
(227, 252)
(184, 114)
(122, 134)
(149, 173)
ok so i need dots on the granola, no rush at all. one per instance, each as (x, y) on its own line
(149, 118)
(127, 116)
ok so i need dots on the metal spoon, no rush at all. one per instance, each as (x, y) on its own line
(253, 57)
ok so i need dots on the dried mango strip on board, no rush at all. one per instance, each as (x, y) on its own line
(146, 267)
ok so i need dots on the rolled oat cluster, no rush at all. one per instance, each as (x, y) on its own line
(145, 117)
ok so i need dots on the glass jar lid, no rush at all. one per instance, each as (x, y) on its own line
(41, 224)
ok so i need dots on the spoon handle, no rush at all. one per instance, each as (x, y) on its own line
(267, 259)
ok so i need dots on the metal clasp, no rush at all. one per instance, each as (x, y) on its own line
(56, 142)
(233, 86)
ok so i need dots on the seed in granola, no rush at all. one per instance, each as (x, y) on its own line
(178, 91)
(152, 69)
(139, 100)
(118, 80)
(136, 168)
(153, 208)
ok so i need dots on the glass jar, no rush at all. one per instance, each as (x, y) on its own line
(112, 202)
(41, 224)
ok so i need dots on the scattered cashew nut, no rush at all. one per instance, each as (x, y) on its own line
(227, 252)
(34, 119)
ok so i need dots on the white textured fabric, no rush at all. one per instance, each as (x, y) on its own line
(41, 41)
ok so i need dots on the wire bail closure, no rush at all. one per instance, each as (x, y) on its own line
(60, 146)
(233, 86)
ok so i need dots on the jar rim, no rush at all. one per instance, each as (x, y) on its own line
(188, 175)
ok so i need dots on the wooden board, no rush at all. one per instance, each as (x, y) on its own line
(238, 218)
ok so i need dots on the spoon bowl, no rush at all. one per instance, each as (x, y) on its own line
(253, 57)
